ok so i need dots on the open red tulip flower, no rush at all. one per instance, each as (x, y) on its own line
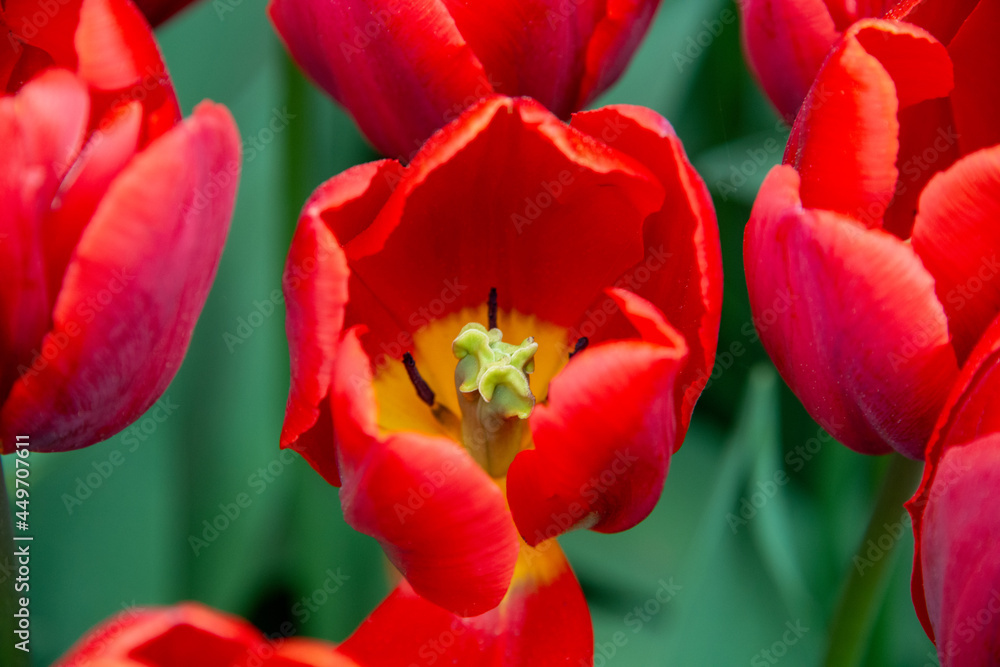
(191, 634)
(786, 41)
(956, 572)
(113, 214)
(433, 311)
(872, 254)
(405, 68)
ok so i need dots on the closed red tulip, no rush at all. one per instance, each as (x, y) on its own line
(879, 232)
(113, 214)
(404, 68)
(191, 634)
(433, 311)
(786, 41)
(956, 573)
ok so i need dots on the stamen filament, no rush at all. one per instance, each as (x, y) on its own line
(424, 391)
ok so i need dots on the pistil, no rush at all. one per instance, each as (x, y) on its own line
(494, 394)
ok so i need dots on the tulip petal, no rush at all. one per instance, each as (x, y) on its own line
(101, 160)
(960, 562)
(513, 199)
(134, 288)
(530, 47)
(191, 634)
(613, 43)
(850, 318)
(969, 413)
(369, 58)
(957, 236)
(315, 286)
(41, 129)
(681, 272)
(877, 69)
(543, 620)
(439, 517)
(976, 100)
(785, 43)
(941, 18)
(603, 442)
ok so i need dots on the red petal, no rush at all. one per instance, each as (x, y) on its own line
(41, 129)
(613, 44)
(114, 44)
(530, 47)
(786, 42)
(101, 160)
(976, 100)
(316, 288)
(402, 73)
(603, 442)
(154, 636)
(440, 518)
(970, 412)
(942, 18)
(132, 292)
(508, 197)
(681, 272)
(928, 144)
(544, 620)
(957, 236)
(190, 634)
(850, 319)
(845, 142)
(960, 562)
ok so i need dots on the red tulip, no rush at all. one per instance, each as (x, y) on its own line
(786, 41)
(956, 569)
(405, 68)
(596, 231)
(114, 213)
(543, 620)
(879, 232)
(190, 634)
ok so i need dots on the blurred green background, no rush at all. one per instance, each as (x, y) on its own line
(121, 538)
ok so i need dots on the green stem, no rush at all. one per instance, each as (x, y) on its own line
(8, 596)
(865, 588)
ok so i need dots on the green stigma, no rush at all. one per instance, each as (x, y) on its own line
(495, 394)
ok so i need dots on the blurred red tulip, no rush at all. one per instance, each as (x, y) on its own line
(543, 620)
(114, 214)
(871, 255)
(405, 68)
(190, 634)
(786, 41)
(596, 231)
(956, 568)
